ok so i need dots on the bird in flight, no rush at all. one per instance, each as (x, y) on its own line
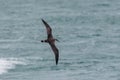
(51, 41)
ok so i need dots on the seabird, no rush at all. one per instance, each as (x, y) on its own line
(51, 41)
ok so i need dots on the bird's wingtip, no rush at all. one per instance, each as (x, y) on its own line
(57, 59)
(56, 63)
(42, 19)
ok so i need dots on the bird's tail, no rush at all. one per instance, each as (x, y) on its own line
(57, 40)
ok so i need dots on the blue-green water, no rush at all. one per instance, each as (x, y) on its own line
(88, 31)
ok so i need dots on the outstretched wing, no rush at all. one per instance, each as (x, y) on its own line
(49, 30)
(56, 52)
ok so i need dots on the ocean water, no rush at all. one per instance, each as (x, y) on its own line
(88, 31)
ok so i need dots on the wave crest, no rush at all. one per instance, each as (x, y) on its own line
(9, 63)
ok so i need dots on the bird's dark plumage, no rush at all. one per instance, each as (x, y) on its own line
(51, 41)
(49, 30)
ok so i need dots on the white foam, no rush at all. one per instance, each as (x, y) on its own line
(6, 64)
(12, 40)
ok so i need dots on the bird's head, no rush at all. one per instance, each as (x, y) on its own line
(42, 41)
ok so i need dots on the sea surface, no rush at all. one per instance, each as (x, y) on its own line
(88, 31)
